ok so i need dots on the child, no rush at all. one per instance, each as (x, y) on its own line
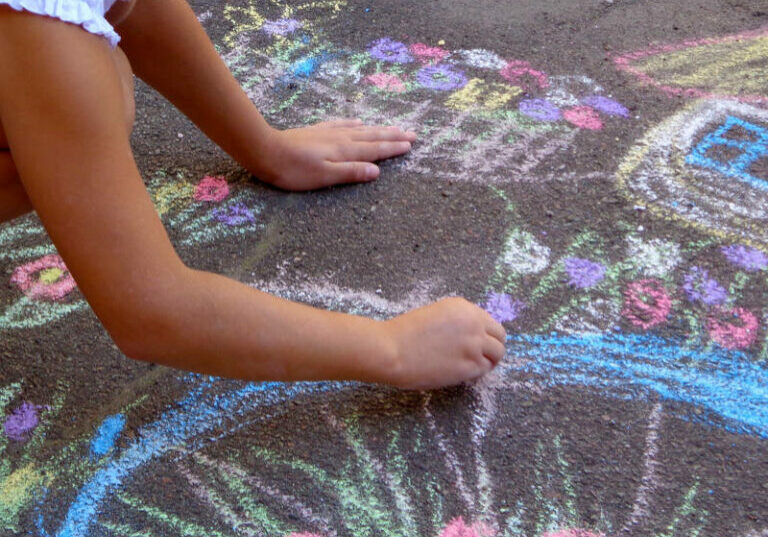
(66, 112)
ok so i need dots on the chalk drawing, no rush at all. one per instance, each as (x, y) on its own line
(196, 214)
(485, 118)
(367, 489)
(674, 172)
(734, 67)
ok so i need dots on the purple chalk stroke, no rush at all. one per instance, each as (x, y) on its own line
(583, 273)
(699, 287)
(540, 109)
(750, 259)
(502, 307)
(389, 50)
(281, 26)
(606, 105)
(234, 215)
(441, 77)
(21, 422)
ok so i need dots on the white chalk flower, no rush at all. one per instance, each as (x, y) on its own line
(479, 58)
(524, 255)
(654, 257)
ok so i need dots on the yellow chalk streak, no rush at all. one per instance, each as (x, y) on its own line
(171, 194)
(481, 94)
(253, 21)
(17, 493)
(738, 67)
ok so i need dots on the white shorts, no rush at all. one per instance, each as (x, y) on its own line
(87, 13)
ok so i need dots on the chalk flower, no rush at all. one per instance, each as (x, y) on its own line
(699, 287)
(426, 54)
(236, 214)
(502, 307)
(386, 82)
(749, 259)
(520, 73)
(389, 50)
(654, 258)
(281, 26)
(583, 117)
(646, 303)
(539, 109)
(524, 255)
(211, 189)
(44, 278)
(479, 59)
(583, 273)
(734, 328)
(441, 77)
(22, 421)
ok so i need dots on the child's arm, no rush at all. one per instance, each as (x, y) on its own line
(169, 49)
(62, 108)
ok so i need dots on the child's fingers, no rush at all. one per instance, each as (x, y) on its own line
(336, 123)
(373, 134)
(493, 349)
(494, 329)
(349, 172)
(372, 151)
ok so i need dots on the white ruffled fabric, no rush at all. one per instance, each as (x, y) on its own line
(86, 13)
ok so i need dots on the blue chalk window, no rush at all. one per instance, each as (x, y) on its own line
(745, 149)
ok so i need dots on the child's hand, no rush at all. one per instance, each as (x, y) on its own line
(329, 153)
(445, 343)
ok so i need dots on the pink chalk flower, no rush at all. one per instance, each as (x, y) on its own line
(427, 54)
(458, 528)
(734, 328)
(646, 303)
(211, 189)
(386, 82)
(584, 117)
(44, 278)
(572, 532)
(520, 73)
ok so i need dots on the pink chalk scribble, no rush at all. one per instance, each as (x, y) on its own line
(520, 73)
(571, 532)
(584, 117)
(45, 278)
(458, 528)
(211, 189)
(734, 328)
(386, 82)
(426, 54)
(646, 303)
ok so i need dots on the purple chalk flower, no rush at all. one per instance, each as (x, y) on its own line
(441, 77)
(540, 109)
(750, 259)
(583, 273)
(281, 26)
(22, 421)
(389, 50)
(234, 215)
(699, 287)
(606, 105)
(502, 307)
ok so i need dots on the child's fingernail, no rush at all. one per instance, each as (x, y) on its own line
(371, 171)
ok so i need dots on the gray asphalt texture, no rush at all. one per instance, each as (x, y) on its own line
(523, 454)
